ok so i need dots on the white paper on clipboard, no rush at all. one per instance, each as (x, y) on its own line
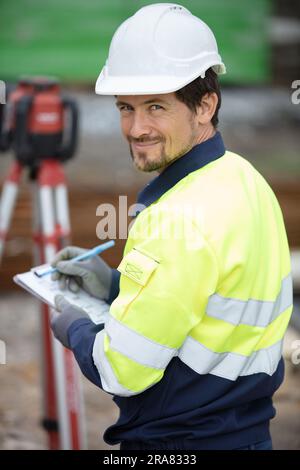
(45, 290)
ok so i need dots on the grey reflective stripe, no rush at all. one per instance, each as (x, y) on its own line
(137, 347)
(108, 379)
(195, 355)
(251, 312)
(229, 365)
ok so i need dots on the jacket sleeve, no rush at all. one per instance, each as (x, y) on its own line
(164, 288)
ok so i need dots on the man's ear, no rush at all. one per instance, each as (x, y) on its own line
(207, 108)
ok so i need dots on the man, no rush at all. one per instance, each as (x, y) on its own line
(191, 349)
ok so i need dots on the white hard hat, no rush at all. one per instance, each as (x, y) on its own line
(159, 49)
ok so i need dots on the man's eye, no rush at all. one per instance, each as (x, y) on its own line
(125, 108)
(156, 106)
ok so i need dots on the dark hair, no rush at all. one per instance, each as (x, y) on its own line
(193, 93)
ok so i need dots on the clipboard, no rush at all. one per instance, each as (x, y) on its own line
(45, 290)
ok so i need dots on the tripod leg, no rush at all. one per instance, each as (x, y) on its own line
(54, 370)
(55, 224)
(62, 213)
(50, 419)
(8, 199)
(73, 383)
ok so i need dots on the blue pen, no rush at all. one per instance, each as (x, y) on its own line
(88, 254)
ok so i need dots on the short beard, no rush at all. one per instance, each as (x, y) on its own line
(160, 164)
(146, 165)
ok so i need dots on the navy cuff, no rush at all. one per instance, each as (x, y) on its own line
(114, 286)
(81, 335)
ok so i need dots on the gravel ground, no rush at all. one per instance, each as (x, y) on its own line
(20, 396)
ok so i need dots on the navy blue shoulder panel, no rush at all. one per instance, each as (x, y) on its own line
(198, 411)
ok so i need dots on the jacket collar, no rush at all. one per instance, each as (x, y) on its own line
(196, 158)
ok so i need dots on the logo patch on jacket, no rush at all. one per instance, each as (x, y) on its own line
(138, 266)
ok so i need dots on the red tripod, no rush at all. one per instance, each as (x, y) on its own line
(63, 404)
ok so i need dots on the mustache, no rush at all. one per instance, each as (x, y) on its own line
(144, 140)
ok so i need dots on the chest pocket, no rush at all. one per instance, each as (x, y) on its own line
(136, 269)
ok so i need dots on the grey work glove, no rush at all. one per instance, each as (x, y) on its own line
(93, 275)
(60, 322)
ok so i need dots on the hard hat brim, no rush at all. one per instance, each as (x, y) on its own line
(149, 85)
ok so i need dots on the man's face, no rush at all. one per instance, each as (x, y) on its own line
(159, 129)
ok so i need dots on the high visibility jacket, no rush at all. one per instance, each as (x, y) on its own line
(192, 346)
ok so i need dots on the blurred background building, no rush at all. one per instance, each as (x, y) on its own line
(259, 42)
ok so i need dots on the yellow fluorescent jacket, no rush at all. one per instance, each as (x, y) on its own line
(206, 277)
